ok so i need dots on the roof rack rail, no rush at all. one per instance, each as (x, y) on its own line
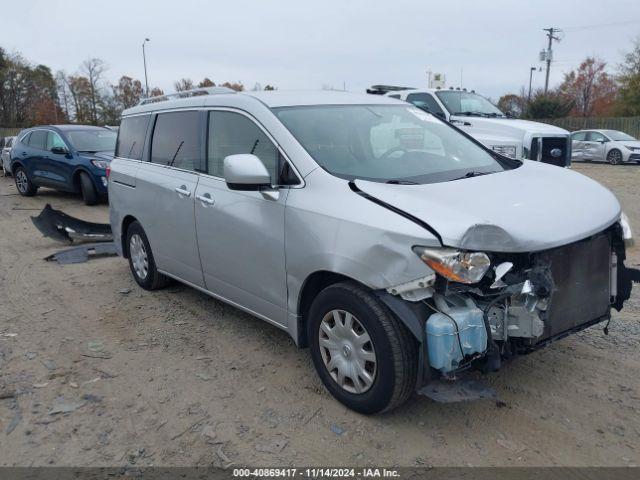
(186, 93)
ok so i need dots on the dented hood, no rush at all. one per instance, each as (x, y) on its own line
(531, 208)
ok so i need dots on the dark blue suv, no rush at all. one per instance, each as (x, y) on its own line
(72, 158)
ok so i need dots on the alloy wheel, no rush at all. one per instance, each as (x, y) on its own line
(615, 157)
(21, 181)
(347, 351)
(139, 257)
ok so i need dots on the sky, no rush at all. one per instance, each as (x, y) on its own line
(486, 45)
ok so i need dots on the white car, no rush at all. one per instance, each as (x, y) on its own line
(477, 116)
(5, 152)
(611, 145)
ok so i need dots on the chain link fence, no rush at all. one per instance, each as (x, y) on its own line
(629, 125)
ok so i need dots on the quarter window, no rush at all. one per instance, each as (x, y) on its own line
(131, 135)
(231, 134)
(176, 140)
(38, 139)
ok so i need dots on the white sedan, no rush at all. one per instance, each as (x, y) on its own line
(611, 145)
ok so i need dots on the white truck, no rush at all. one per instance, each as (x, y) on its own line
(478, 117)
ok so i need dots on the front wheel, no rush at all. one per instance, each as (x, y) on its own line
(364, 356)
(89, 194)
(614, 157)
(23, 183)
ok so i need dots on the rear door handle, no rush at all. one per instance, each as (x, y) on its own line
(182, 190)
(206, 198)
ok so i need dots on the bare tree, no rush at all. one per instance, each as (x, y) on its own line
(93, 68)
(183, 84)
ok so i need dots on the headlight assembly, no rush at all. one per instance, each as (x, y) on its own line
(627, 233)
(454, 265)
(103, 164)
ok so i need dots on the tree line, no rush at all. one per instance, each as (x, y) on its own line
(587, 91)
(35, 95)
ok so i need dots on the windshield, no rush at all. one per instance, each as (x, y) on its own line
(385, 143)
(615, 135)
(467, 103)
(93, 140)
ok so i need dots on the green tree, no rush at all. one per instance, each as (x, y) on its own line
(549, 105)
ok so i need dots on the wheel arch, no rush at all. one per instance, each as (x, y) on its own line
(14, 165)
(126, 222)
(75, 178)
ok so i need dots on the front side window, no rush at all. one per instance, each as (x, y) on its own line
(386, 143)
(467, 103)
(131, 135)
(596, 137)
(426, 102)
(176, 140)
(232, 133)
(38, 139)
(54, 140)
(91, 141)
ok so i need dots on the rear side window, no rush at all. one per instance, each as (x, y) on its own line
(176, 140)
(231, 134)
(579, 136)
(38, 139)
(131, 137)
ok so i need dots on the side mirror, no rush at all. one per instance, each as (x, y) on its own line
(245, 172)
(59, 150)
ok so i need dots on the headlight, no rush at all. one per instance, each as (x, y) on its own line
(632, 148)
(506, 150)
(457, 266)
(627, 234)
(103, 164)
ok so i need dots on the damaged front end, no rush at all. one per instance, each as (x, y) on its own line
(479, 308)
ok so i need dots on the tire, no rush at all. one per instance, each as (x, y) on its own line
(614, 157)
(141, 262)
(23, 183)
(393, 371)
(88, 189)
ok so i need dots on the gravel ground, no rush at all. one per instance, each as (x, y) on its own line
(176, 378)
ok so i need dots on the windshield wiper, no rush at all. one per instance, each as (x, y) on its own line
(87, 151)
(471, 114)
(472, 174)
(401, 182)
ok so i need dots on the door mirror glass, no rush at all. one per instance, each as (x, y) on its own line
(59, 150)
(245, 172)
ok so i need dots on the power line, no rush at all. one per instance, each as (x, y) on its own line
(600, 25)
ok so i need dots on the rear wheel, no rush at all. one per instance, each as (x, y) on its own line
(364, 356)
(141, 262)
(23, 183)
(88, 189)
(614, 157)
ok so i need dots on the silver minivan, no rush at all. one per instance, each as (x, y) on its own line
(400, 250)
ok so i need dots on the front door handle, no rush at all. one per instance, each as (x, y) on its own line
(206, 198)
(182, 190)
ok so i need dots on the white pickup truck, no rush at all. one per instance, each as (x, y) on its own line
(478, 117)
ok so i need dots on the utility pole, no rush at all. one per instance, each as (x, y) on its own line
(530, 79)
(144, 59)
(549, 54)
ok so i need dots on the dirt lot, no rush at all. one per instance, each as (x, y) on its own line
(177, 378)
